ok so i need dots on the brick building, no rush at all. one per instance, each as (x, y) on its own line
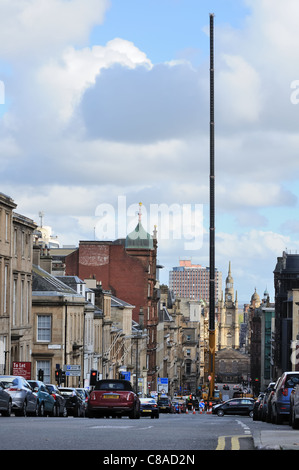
(126, 267)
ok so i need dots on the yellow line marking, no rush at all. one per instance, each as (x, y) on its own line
(235, 443)
(221, 443)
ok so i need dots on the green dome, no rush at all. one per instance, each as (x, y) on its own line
(139, 239)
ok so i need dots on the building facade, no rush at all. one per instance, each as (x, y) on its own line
(192, 281)
(128, 269)
(16, 237)
(228, 314)
(286, 278)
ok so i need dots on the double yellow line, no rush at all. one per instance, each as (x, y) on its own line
(234, 440)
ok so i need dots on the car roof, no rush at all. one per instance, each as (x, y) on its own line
(240, 398)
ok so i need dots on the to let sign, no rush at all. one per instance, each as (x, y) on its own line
(22, 369)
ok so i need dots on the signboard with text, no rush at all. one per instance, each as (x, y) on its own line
(72, 370)
(22, 369)
(162, 385)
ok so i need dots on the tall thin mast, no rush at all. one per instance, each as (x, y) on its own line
(212, 219)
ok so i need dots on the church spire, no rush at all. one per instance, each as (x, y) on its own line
(229, 279)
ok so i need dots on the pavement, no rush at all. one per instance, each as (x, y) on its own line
(275, 440)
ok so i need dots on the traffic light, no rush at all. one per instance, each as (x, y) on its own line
(40, 375)
(62, 376)
(57, 375)
(93, 377)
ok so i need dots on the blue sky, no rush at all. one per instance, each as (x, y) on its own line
(114, 107)
(167, 29)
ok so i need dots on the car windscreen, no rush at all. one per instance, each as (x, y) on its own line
(68, 392)
(33, 384)
(291, 380)
(111, 386)
(9, 381)
(163, 400)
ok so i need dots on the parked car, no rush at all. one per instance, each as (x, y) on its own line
(281, 398)
(149, 407)
(294, 408)
(113, 398)
(73, 401)
(24, 401)
(5, 401)
(165, 405)
(235, 406)
(257, 407)
(45, 400)
(60, 406)
(264, 403)
(269, 406)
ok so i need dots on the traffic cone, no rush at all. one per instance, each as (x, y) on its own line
(200, 410)
(186, 410)
(193, 411)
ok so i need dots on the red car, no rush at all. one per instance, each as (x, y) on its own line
(113, 397)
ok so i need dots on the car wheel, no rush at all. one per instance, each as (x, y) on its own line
(134, 414)
(64, 413)
(8, 411)
(23, 411)
(251, 414)
(41, 411)
(278, 419)
(35, 413)
(295, 422)
(220, 413)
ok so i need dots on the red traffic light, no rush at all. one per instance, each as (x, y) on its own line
(93, 377)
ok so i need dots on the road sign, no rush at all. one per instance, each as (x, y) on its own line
(72, 370)
(162, 384)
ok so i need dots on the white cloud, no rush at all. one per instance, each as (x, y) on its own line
(87, 123)
(67, 78)
(252, 245)
(239, 91)
(254, 195)
(33, 28)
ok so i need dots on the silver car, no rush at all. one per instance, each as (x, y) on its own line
(24, 401)
(5, 401)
